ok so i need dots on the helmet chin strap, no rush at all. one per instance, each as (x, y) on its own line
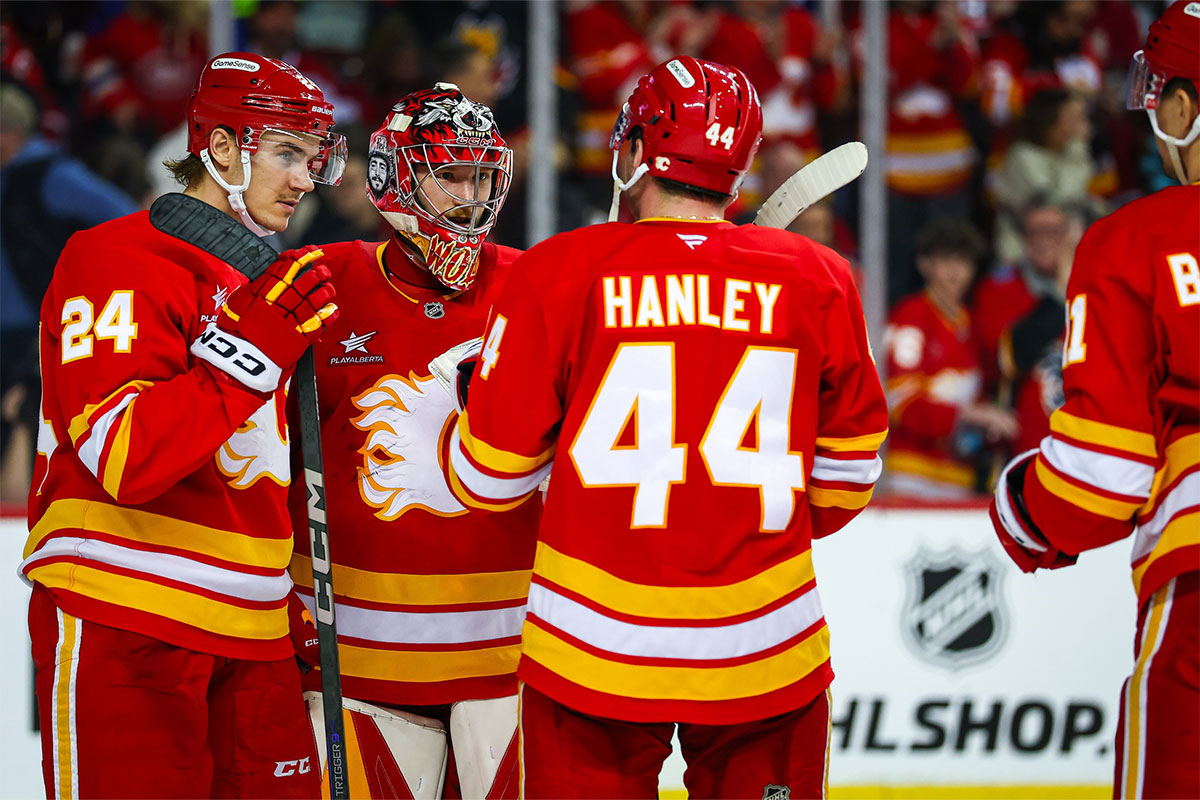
(620, 186)
(236, 201)
(1173, 144)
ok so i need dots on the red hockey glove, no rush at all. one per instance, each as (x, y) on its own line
(303, 632)
(266, 325)
(454, 369)
(1025, 544)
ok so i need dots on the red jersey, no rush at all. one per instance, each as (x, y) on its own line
(717, 407)
(1124, 450)
(429, 598)
(158, 500)
(933, 371)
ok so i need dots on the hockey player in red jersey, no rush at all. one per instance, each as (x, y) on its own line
(704, 400)
(159, 536)
(1123, 454)
(429, 598)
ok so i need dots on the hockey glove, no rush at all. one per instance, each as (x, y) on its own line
(1024, 543)
(303, 632)
(454, 368)
(267, 324)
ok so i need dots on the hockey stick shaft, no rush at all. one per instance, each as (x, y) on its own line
(322, 571)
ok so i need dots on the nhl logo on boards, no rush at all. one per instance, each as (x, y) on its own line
(435, 310)
(954, 614)
(773, 792)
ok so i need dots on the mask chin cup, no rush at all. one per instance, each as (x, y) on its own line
(620, 186)
(236, 201)
(1173, 144)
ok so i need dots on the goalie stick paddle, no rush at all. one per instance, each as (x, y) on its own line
(220, 235)
(825, 175)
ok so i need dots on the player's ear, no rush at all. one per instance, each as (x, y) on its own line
(222, 147)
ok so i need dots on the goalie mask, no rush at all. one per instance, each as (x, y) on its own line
(439, 171)
(253, 94)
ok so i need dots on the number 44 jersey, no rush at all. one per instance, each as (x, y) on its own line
(703, 398)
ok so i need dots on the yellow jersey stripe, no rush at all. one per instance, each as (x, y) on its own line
(471, 501)
(673, 602)
(419, 590)
(155, 529)
(867, 443)
(1178, 457)
(496, 459)
(1087, 500)
(838, 498)
(81, 422)
(114, 465)
(427, 666)
(65, 675)
(676, 683)
(1101, 433)
(179, 605)
(1183, 531)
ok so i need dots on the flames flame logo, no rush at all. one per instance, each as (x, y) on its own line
(258, 448)
(405, 420)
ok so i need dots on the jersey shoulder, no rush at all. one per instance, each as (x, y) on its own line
(795, 255)
(1119, 245)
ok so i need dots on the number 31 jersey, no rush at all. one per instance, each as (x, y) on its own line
(703, 399)
(429, 598)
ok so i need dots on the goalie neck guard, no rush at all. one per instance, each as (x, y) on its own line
(700, 121)
(253, 94)
(439, 172)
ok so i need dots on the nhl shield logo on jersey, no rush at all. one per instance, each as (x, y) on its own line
(954, 614)
(435, 310)
(773, 792)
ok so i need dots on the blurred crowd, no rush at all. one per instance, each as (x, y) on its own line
(1006, 137)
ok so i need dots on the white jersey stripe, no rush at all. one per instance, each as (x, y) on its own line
(259, 588)
(864, 470)
(1185, 494)
(487, 486)
(62, 716)
(436, 627)
(1134, 766)
(90, 452)
(1101, 470)
(659, 641)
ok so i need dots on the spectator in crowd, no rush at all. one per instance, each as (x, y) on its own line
(938, 420)
(933, 61)
(1042, 46)
(1019, 316)
(1050, 158)
(45, 196)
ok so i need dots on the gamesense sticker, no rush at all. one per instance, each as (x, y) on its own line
(681, 74)
(235, 63)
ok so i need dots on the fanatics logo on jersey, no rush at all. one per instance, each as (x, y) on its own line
(692, 240)
(435, 310)
(220, 297)
(357, 343)
(954, 614)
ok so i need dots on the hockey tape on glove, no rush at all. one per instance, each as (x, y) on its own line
(1020, 537)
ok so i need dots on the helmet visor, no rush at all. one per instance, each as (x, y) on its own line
(1144, 84)
(330, 163)
(620, 128)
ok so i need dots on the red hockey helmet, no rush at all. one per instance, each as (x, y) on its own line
(251, 93)
(1172, 51)
(426, 137)
(701, 123)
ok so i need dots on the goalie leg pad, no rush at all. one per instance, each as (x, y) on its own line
(384, 749)
(484, 734)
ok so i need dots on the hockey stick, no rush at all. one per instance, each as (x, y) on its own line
(825, 175)
(220, 235)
